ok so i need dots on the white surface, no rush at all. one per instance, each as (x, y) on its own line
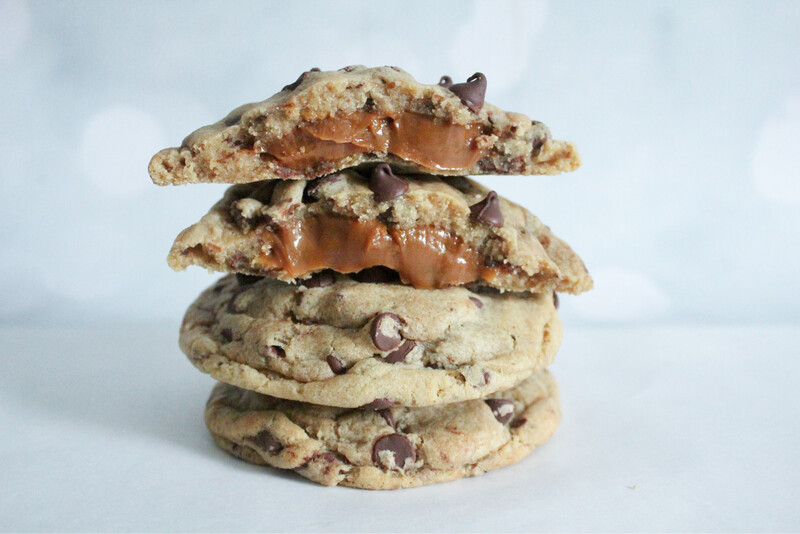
(686, 113)
(664, 429)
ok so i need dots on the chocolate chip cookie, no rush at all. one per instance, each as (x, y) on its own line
(433, 231)
(345, 342)
(328, 121)
(388, 448)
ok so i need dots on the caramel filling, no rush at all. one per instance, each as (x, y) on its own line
(425, 257)
(425, 140)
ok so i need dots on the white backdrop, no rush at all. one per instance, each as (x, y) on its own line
(687, 115)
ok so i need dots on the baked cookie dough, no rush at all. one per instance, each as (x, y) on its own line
(328, 121)
(338, 342)
(390, 448)
(434, 231)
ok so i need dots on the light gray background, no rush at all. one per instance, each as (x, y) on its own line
(687, 115)
(679, 412)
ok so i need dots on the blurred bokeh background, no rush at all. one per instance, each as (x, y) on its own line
(687, 115)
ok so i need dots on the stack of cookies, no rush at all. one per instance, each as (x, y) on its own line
(386, 322)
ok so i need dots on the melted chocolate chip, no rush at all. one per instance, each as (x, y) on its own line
(376, 275)
(445, 81)
(399, 355)
(320, 279)
(385, 185)
(388, 417)
(518, 423)
(227, 334)
(477, 302)
(539, 141)
(502, 409)
(471, 93)
(369, 105)
(267, 442)
(246, 216)
(385, 331)
(379, 404)
(555, 299)
(487, 211)
(336, 365)
(296, 84)
(247, 279)
(401, 449)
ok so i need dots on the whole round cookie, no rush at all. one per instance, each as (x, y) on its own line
(340, 342)
(390, 448)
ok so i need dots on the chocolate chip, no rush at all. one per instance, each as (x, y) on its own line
(379, 404)
(399, 355)
(336, 365)
(263, 193)
(472, 92)
(320, 279)
(486, 378)
(487, 211)
(388, 417)
(247, 279)
(542, 133)
(445, 81)
(555, 299)
(275, 351)
(502, 409)
(227, 334)
(267, 442)
(477, 302)
(385, 331)
(246, 214)
(400, 450)
(519, 422)
(369, 105)
(385, 185)
(376, 275)
(296, 84)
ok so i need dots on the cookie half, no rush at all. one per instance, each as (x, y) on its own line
(390, 448)
(338, 342)
(434, 231)
(328, 121)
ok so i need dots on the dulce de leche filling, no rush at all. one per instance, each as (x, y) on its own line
(426, 257)
(425, 140)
